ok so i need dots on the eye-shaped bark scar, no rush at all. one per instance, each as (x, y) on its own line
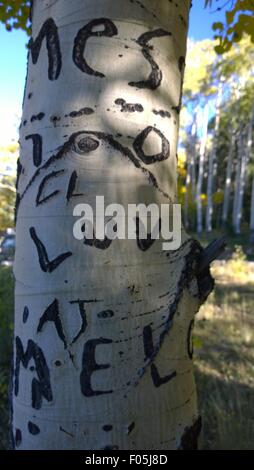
(83, 142)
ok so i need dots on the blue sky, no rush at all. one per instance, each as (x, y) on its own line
(13, 55)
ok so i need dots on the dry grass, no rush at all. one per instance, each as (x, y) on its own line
(224, 359)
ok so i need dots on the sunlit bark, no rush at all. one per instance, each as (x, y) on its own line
(103, 331)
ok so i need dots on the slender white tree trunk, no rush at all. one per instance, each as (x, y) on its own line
(193, 171)
(240, 183)
(252, 213)
(187, 193)
(202, 153)
(249, 152)
(190, 172)
(103, 331)
(212, 163)
(228, 181)
(237, 179)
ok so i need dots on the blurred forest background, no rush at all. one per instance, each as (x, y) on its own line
(216, 190)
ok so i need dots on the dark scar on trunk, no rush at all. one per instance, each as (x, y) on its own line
(52, 314)
(189, 272)
(83, 35)
(176, 108)
(162, 113)
(33, 428)
(49, 31)
(37, 148)
(18, 437)
(41, 387)
(140, 140)
(81, 112)
(129, 107)
(37, 117)
(110, 448)
(19, 171)
(89, 365)
(181, 63)
(66, 432)
(190, 340)
(46, 265)
(183, 21)
(145, 243)
(105, 314)
(42, 185)
(99, 244)
(155, 77)
(189, 440)
(16, 209)
(131, 427)
(82, 312)
(73, 144)
(72, 186)
(107, 427)
(149, 352)
(85, 145)
(25, 314)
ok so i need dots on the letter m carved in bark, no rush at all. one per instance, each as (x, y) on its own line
(50, 32)
(41, 387)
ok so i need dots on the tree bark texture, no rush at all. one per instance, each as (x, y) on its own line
(103, 329)
(202, 154)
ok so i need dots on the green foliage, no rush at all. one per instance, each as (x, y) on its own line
(201, 55)
(6, 333)
(7, 202)
(4, 408)
(6, 314)
(15, 14)
(239, 20)
(8, 162)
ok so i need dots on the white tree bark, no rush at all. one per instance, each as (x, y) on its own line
(237, 179)
(190, 172)
(240, 183)
(228, 180)
(252, 213)
(212, 164)
(103, 349)
(249, 152)
(202, 154)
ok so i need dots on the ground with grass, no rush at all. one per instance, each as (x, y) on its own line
(6, 330)
(224, 355)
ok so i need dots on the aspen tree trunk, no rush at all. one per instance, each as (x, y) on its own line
(228, 181)
(212, 164)
(237, 179)
(240, 183)
(252, 213)
(187, 193)
(190, 172)
(103, 330)
(202, 153)
(249, 152)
